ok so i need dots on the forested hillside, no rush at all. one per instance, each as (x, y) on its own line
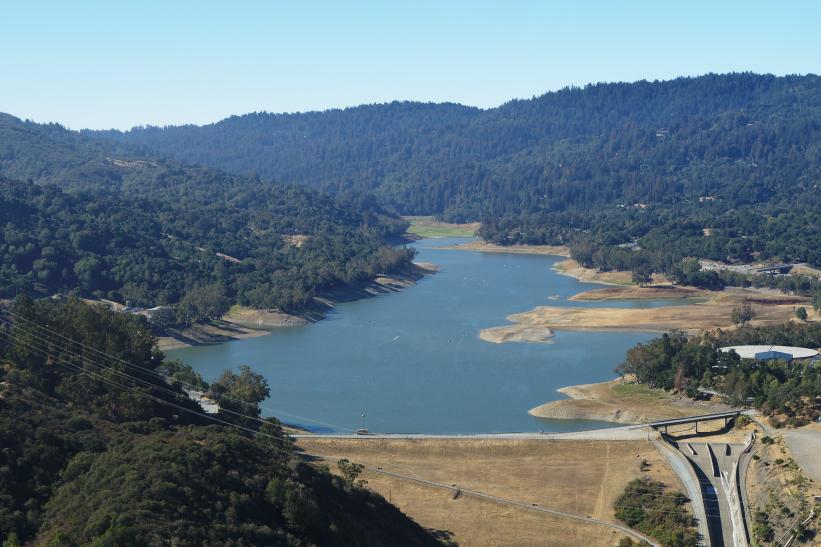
(99, 220)
(789, 392)
(739, 136)
(718, 166)
(100, 446)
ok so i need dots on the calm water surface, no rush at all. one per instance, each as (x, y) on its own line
(412, 361)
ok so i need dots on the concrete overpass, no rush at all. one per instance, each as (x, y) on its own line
(726, 416)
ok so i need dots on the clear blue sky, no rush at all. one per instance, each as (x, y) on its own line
(118, 64)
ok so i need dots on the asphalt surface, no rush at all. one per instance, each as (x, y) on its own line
(709, 468)
(805, 445)
(687, 474)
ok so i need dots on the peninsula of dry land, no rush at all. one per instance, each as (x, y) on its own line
(709, 310)
(622, 401)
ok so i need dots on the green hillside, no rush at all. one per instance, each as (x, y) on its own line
(110, 451)
(105, 222)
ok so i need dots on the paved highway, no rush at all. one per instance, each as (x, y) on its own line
(714, 465)
(687, 474)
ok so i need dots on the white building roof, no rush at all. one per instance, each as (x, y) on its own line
(749, 352)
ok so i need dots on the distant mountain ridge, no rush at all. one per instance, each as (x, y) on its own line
(603, 143)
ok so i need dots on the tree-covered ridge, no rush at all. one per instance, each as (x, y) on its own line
(152, 231)
(104, 451)
(739, 136)
(722, 166)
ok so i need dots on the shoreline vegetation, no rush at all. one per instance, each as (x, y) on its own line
(241, 322)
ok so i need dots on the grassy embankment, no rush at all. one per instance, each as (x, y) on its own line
(622, 401)
(485, 247)
(545, 472)
(429, 227)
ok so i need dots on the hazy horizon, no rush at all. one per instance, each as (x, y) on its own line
(352, 106)
(100, 66)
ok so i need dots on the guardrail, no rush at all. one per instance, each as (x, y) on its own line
(731, 489)
(684, 469)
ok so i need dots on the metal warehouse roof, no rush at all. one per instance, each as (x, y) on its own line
(750, 352)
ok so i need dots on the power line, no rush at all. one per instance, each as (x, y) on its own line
(60, 361)
(46, 353)
(169, 378)
(71, 366)
(156, 373)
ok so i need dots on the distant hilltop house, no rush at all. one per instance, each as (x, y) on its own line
(207, 403)
(132, 164)
(773, 353)
(630, 246)
(155, 313)
(747, 269)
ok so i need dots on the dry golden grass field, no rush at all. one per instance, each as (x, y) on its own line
(582, 477)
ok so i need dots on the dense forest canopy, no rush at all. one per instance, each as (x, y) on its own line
(718, 166)
(738, 137)
(632, 176)
(111, 451)
(108, 223)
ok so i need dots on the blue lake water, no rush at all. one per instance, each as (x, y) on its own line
(412, 361)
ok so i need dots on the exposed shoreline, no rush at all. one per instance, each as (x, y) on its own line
(501, 335)
(571, 268)
(241, 323)
(708, 311)
(621, 401)
(485, 247)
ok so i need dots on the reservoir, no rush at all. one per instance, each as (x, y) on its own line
(413, 362)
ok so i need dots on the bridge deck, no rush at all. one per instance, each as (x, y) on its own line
(695, 419)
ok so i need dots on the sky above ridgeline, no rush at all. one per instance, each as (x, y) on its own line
(111, 64)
